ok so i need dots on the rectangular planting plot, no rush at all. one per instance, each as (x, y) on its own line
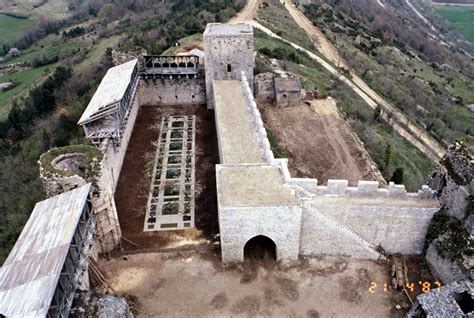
(171, 198)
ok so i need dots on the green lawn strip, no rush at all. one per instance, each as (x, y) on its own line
(276, 17)
(96, 53)
(168, 225)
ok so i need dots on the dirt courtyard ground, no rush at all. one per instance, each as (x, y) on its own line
(134, 183)
(192, 284)
(318, 143)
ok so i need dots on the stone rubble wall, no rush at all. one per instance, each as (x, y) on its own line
(454, 182)
(444, 269)
(454, 198)
(264, 87)
(121, 57)
(172, 91)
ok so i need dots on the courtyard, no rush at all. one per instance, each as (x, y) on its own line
(192, 283)
(139, 169)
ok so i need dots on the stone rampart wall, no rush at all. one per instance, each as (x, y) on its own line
(397, 229)
(238, 225)
(113, 155)
(357, 228)
(368, 189)
(172, 91)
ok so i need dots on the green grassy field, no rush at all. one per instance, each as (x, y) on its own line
(96, 53)
(460, 17)
(274, 16)
(11, 28)
(189, 40)
(25, 79)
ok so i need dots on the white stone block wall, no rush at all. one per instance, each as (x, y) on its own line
(319, 237)
(396, 229)
(279, 223)
(172, 91)
(220, 51)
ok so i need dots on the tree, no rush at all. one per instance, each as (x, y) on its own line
(108, 12)
(397, 176)
(388, 157)
(377, 112)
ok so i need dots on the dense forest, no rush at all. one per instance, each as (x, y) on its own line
(47, 115)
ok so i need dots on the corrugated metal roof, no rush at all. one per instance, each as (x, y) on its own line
(111, 89)
(30, 274)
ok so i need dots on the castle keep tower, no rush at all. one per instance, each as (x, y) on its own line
(228, 52)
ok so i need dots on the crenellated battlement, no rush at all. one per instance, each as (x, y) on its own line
(364, 189)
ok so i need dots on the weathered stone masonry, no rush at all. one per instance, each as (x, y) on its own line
(332, 220)
(256, 194)
(228, 53)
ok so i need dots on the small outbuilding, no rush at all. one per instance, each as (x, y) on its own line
(287, 91)
(282, 89)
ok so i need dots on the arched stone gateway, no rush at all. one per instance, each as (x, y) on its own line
(260, 248)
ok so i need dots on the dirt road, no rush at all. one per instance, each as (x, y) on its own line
(248, 13)
(316, 36)
(413, 134)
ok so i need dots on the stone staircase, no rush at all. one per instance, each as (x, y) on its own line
(371, 248)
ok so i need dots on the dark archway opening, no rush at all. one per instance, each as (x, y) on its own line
(261, 249)
(229, 68)
(465, 302)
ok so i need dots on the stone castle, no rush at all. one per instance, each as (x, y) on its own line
(257, 197)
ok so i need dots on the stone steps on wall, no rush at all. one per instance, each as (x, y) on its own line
(370, 247)
(303, 193)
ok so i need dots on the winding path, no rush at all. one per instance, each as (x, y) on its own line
(416, 136)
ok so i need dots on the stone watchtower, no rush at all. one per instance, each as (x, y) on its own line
(228, 51)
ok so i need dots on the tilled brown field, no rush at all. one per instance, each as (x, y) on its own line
(134, 182)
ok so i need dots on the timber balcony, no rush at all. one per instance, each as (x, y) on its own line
(170, 65)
